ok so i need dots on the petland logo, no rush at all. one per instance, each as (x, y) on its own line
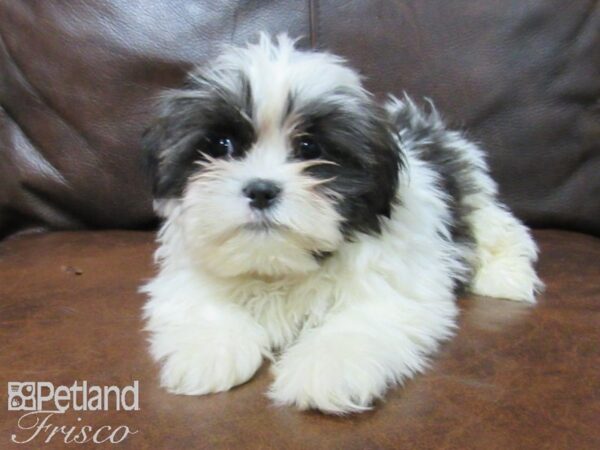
(42, 401)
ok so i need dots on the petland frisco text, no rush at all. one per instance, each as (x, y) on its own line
(42, 401)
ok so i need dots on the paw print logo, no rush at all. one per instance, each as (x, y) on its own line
(21, 396)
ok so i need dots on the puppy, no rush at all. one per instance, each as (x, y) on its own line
(309, 225)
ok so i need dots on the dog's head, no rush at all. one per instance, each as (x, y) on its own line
(274, 157)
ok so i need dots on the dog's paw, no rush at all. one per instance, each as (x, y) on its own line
(506, 254)
(210, 364)
(511, 278)
(205, 370)
(330, 376)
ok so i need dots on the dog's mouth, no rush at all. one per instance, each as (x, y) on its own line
(261, 222)
(263, 225)
(259, 227)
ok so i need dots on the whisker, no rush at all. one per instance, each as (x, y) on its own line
(303, 165)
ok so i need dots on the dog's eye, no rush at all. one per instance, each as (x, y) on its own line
(307, 148)
(220, 146)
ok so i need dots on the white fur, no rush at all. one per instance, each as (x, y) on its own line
(365, 319)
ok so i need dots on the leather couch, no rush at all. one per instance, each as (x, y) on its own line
(77, 81)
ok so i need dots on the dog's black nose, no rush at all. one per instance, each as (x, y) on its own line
(262, 193)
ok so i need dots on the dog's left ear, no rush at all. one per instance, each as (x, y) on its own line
(387, 159)
(360, 138)
(372, 137)
(368, 167)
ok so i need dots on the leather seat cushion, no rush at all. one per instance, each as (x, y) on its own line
(514, 376)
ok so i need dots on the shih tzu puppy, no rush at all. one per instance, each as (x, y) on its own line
(306, 224)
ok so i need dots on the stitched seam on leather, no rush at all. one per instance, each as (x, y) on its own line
(34, 146)
(234, 26)
(41, 98)
(45, 204)
(314, 22)
(590, 101)
(48, 209)
(586, 18)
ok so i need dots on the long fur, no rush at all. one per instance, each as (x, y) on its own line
(348, 283)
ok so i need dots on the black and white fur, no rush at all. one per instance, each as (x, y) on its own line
(347, 280)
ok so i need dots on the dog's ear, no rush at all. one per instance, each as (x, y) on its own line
(163, 150)
(185, 117)
(168, 145)
(167, 158)
(151, 140)
(358, 136)
(382, 160)
(387, 159)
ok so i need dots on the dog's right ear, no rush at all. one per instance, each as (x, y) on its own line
(155, 139)
(184, 118)
(168, 147)
(152, 141)
(152, 138)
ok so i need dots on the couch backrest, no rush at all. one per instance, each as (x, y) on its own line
(77, 81)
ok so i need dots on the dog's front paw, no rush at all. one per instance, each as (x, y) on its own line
(210, 363)
(330, 376)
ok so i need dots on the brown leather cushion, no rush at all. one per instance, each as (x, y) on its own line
(77, 80)
(514, 376)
